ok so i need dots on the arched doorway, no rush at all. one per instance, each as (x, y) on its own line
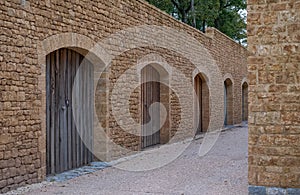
(202, 98)
(154, 89)
(245, 101)
(64, 145)
(228, 102)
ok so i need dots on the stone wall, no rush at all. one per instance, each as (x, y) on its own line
(274, 131)
(30, 30)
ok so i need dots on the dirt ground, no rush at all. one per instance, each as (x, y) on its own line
(222, 171)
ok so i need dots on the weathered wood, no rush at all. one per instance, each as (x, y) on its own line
(65, 148)
(77, 117)
(52, 105)
(199, 95)
(48, 111)
(91, 113)
(150, 94)
(69, 111)
(63, 111)
(56, 128)
(84, 102)
(73, 125)
(80, 111)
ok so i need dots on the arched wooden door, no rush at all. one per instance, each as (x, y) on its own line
(150, 116)
(245, 101)
(65, 148)
(202, 97)
(228, 102)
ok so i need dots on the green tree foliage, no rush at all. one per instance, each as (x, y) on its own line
(206, 12)
(224, 15)
(230, 21)
(165, 5)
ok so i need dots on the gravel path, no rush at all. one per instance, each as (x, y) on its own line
(222, 171)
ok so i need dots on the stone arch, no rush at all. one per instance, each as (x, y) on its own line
(79, 43)
(165, 73)
(245, 101)
(245, 80)
(159, 63)
(202, 102)
(228, 100)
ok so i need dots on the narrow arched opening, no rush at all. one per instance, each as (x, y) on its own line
(245, 101)
(228, 102)
(66, 135)
(154, 89)
(201, 104)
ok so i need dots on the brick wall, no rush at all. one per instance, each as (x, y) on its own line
(32, 30)
(274, 131)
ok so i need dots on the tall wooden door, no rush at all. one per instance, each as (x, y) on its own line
(245, 102)
(65, 148)
(228, 102)
(150, 115)
(198, 90)
(225, 104)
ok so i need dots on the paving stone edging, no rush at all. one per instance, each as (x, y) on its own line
(93, 167)
(261, 190)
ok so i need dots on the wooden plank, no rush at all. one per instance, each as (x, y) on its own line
(48, 103)
(56, 114)
(73, 126)
(51, 105)
(69, 110)
(146, 107)
(152, 95)
(62, 111)
(77, 110)
(198, 90)
(84, 109)
(83, 103)
(80, 95)
(201, 110)
(158, 113)
(148, 95)
(87, 111)
(143, 107)
(90, 111)
(89, 99)
(157, 91)
(52, 111)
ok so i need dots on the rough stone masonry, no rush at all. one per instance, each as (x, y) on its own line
(274, 77)
(31, 30)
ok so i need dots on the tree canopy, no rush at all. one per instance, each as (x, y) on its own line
(226, 15)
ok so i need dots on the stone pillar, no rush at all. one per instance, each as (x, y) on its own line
(274, 96)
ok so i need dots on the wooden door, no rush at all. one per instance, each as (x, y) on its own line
(228, 102)
(65, 148)
(225, 104)
(245, 102)
(198, 90)
(150, 95)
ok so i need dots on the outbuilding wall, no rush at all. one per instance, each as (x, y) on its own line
(30, 30)
(274, 69)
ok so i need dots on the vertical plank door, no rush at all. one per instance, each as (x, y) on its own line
(150, 95)
(199, 114)
(68, 143)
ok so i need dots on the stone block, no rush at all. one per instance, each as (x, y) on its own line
(293, 191)
(257, 190)
(276, 191)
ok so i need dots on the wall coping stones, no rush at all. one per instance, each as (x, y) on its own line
(261, 190)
